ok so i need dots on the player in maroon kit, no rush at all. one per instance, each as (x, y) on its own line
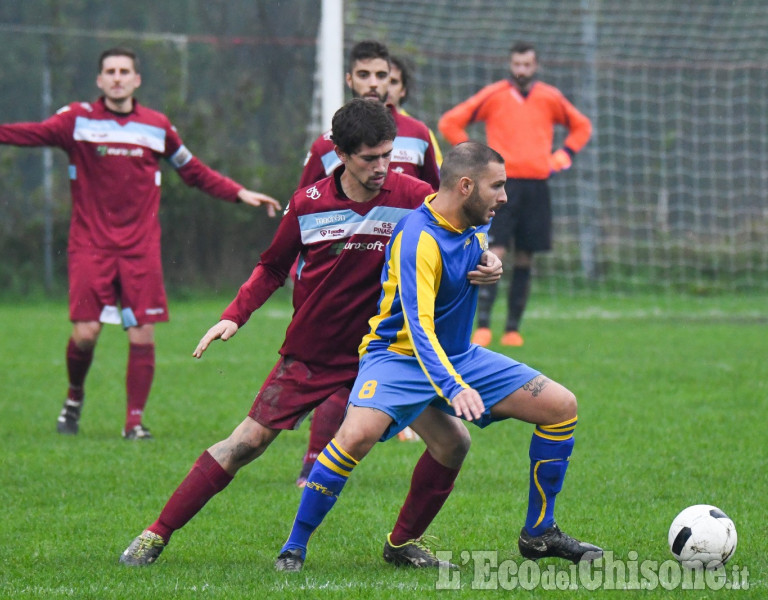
(413, 153)
(368, 77)
(114, 147)
(338, 228)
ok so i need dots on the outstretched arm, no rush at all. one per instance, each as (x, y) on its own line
(223, 330)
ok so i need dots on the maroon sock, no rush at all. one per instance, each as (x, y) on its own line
(431, 484)
(78, 363)
(325, 423)
(206, 479)
(138, 381)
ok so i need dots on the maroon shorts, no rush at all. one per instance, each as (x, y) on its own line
(99, 281)
(294, 388)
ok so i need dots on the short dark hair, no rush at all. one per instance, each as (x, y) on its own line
(362, 121)
(406, 70)
(119, 51)
(523, 47)
(467, 159)
(366, 50)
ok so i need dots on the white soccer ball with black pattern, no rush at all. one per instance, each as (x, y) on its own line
(702, 536)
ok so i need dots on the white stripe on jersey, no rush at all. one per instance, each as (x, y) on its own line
(342, 224)
(108, 131)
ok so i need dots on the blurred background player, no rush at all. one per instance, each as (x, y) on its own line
(413, 153)
(519, 115)
(114, 147)
(368, 76)
(336, 226)
(418, 366)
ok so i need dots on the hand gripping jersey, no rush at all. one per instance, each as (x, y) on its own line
(412, 154)
(114, 171)
(340, 244)
(427, 304)
(520, 128)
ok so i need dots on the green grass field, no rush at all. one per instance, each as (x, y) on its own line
(668, 393)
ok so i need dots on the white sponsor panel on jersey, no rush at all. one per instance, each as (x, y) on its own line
(409, 150)
(105, 131)
(342, 224)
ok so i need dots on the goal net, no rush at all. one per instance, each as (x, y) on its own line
(670, 193)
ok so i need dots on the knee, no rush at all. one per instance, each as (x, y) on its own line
(452, 450)
(85, 334)
(245, 444)
(460, 447)
(564, 407)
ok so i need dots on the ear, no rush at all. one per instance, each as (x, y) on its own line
(348, 79)
(138, 79)
(466, 185)
(343, 157)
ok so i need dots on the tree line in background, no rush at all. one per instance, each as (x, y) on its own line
(234, 76)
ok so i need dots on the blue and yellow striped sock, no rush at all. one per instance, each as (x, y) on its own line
(324, 484)
(550, 450)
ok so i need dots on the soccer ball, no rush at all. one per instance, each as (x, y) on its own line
(702, 536)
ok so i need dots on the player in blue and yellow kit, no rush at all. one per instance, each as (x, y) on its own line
(418, 365)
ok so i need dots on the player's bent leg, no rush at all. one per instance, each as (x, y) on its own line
(552, 408)
(360, 430)
(246, 443)
(212, 472)
(448, 443)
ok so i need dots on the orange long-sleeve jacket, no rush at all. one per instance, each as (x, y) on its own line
(520, 128)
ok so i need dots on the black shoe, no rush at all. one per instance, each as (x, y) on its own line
(69, 417)
(143, 551)
(414, 553)
(290, 560)
(554, 542)
(137, 432)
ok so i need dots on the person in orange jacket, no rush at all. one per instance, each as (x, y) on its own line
(520, 114)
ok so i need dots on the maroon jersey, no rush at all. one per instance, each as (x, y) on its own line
(340, 244)
(412, 154)
(114, 172)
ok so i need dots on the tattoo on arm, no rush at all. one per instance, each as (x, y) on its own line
(536, 385)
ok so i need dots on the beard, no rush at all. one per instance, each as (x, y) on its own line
(381, 98)
(474, 209)
(522, 81)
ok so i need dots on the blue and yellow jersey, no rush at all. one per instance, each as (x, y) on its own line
(427, 305)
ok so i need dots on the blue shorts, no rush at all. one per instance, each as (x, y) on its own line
(396, 385)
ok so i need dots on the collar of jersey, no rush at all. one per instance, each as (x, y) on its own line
(438, 217)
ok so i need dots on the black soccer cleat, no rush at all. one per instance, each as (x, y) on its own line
(413, 553)
(136, 433)
(143, 550)
(68, 422)
(290, 560)
(554, 542)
